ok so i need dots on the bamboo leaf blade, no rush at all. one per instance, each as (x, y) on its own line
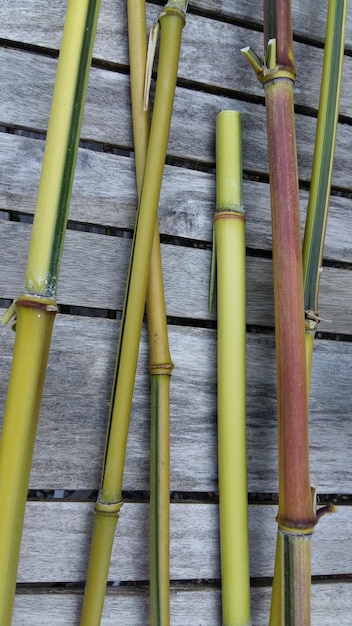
(231, 306)
(171, 24)
(37, 307)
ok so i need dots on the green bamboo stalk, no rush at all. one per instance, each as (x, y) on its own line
(107, 509)
(229, 225)
(36, 308)
(296, 516)
(324, 151)
(160, 360)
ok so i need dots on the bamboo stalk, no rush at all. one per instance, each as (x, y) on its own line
(296, 515)
(109, 502)
(324, 151)
(229, 228)
(160, 360)
(36, 308)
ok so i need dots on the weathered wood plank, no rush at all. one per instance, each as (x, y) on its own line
(28, 79)
(308, 20)
(104, 194)
(71, 430)
(331, 605)
(200, 38)
(64, 528)
(94, 269)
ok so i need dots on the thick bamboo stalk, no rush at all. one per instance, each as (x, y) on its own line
(160, 360)
(172, 21)
(36, 308)
(229, 225)
(296, 514)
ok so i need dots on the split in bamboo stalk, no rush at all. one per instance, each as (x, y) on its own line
(319, 193)
(296, 516)
(160, 360)
(229, 226)
(36, 308)
(107, 509)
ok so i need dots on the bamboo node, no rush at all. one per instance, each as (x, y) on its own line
(268, 70)
(230, 213)
(108, 509)
(161, 368)
(31, 301)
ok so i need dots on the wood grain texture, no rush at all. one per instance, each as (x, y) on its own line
(28, 80)
(71, 430)
(104, 195)
(65, 528)
(94, 269)
(331, 604)
(201, 37)
(213, 75)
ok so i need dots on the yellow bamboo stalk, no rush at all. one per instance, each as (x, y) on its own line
(160, 360)
(36, 308)
(171, 20)
(229, 225)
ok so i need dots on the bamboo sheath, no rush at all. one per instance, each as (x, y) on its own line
(36, 308)
(109, 503)
(229, 225)
(160, 360)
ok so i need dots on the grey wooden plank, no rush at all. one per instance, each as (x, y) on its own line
(201, 37)
(28, 81)
(104, 194)
(65, 530)
(71, 433)
(331, 604)
(94, 269)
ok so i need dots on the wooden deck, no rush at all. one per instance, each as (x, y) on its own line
(213, 76)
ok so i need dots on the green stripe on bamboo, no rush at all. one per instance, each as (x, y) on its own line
(61, 146)
(324, 151)
(172, 20)
(36, 310)
(229, 226)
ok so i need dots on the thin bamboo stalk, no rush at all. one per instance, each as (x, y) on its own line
(229, 225)
(324, 151)
(296, 516)
(109, 503)
(36, 308)
(160, 360)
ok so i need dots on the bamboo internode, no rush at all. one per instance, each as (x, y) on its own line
(172, 20)
(231, 313)
(36, 308)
